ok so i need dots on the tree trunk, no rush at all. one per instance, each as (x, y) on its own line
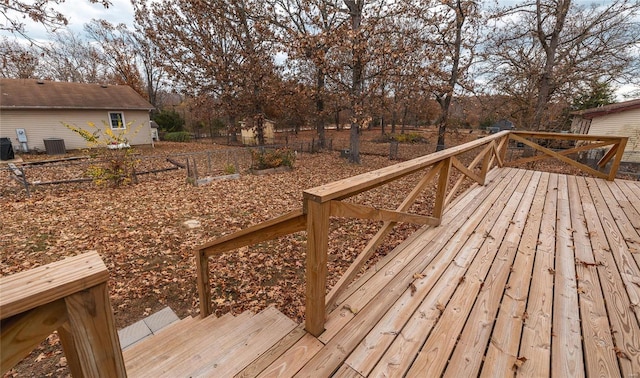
(354, 143)
(445, 99)
(232, 131)
(394, 117)
(355, 12)
(320, 107)
(549, 42)
(258, 125)
(404, 119)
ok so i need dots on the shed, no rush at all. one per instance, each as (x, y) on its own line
(250, 137)
(33, 112)
(620, 119)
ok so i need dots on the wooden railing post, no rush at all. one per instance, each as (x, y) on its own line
(316, 274)
(503, 146)
(486, 163)
(441, 193)
(204, 288)
(91, 323)
(71, 296)
(616, 162)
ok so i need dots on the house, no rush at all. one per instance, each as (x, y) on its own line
(620, 119)
(501, 125)
(250, 137)
(33, 113)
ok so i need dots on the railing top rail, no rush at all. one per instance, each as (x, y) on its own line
(27, 290)
(560, 136)
(353, 185)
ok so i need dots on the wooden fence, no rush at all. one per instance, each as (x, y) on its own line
(326, 201)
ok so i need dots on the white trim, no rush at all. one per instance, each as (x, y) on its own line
(124, 123)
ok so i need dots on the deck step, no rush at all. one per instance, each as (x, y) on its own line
(212, 346)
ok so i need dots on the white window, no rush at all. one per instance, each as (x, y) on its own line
(116, 120)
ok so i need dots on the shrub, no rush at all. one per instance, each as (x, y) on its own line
(169, 121)
(410, 138)
(281, 157)
(178, 136)
(229, 169)
(402, 138)
(112, 159)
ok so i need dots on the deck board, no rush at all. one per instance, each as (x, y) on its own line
(469, 353)
(599, 354)
(434, 354)
(566, 339)
(533, 274)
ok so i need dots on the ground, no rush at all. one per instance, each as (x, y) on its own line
(139, 232)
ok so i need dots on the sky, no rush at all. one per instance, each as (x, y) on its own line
(79, 13)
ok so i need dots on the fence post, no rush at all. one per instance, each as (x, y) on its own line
(316, 274)
(393, 150)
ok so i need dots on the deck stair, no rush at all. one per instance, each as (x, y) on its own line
(219, 347)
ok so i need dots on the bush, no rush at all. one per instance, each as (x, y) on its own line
(169, 121)
(113, 162)
(229, 169)
(179, 136)
(264, 159)
(402, 138)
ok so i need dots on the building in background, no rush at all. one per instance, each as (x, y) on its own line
(33, 113)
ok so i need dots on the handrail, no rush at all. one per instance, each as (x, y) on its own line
(289, 223)
(70, 296)
(351, 186)
(322, 202)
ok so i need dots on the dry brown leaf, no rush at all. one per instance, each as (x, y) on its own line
(413, 288)
(417, 276)
(518, 363)
(354, 311)
(621, 354)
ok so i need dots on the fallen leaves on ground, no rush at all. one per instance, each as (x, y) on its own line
(140, 234)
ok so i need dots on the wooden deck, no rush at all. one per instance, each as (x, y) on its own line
(535, 274)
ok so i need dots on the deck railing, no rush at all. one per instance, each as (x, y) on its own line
(323, 202)
(71, 297)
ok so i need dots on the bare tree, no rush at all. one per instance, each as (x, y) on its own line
(42, 11)
(18, 61)
(456, 29)
(307, 30)
(543, 51)
(133, 60)
(368, 54)
(71, 58)
(215, 48)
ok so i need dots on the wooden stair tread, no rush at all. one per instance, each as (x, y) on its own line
(149, 353)
(209, 347)
(149, 346)
(259, 335)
